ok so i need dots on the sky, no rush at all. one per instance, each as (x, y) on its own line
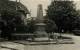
(33, 4)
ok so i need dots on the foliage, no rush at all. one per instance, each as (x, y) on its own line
(63, 13)
(31, 26)
(11, 18)
(50, 26)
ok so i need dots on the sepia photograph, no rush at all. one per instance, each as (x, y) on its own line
(39, 24)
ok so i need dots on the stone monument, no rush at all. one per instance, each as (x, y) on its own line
(40, 25)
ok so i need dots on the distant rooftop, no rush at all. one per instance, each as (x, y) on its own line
(12, 6)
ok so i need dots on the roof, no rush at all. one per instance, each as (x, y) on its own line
(12, 5)
(22, 7)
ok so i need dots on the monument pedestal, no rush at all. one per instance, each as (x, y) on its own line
(40, 25)
(40, 29)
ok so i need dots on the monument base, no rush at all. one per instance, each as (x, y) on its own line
(40, 29)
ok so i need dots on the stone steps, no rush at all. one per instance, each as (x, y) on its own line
(46, 42)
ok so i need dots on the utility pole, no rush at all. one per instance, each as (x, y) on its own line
(16, 4)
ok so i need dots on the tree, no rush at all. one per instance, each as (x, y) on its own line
(76, 23)
(63, 14)
(31, 26)
(10, 18)
(50, 26)
(10, 21)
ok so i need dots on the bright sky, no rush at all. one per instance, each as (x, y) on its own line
(32, 5)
